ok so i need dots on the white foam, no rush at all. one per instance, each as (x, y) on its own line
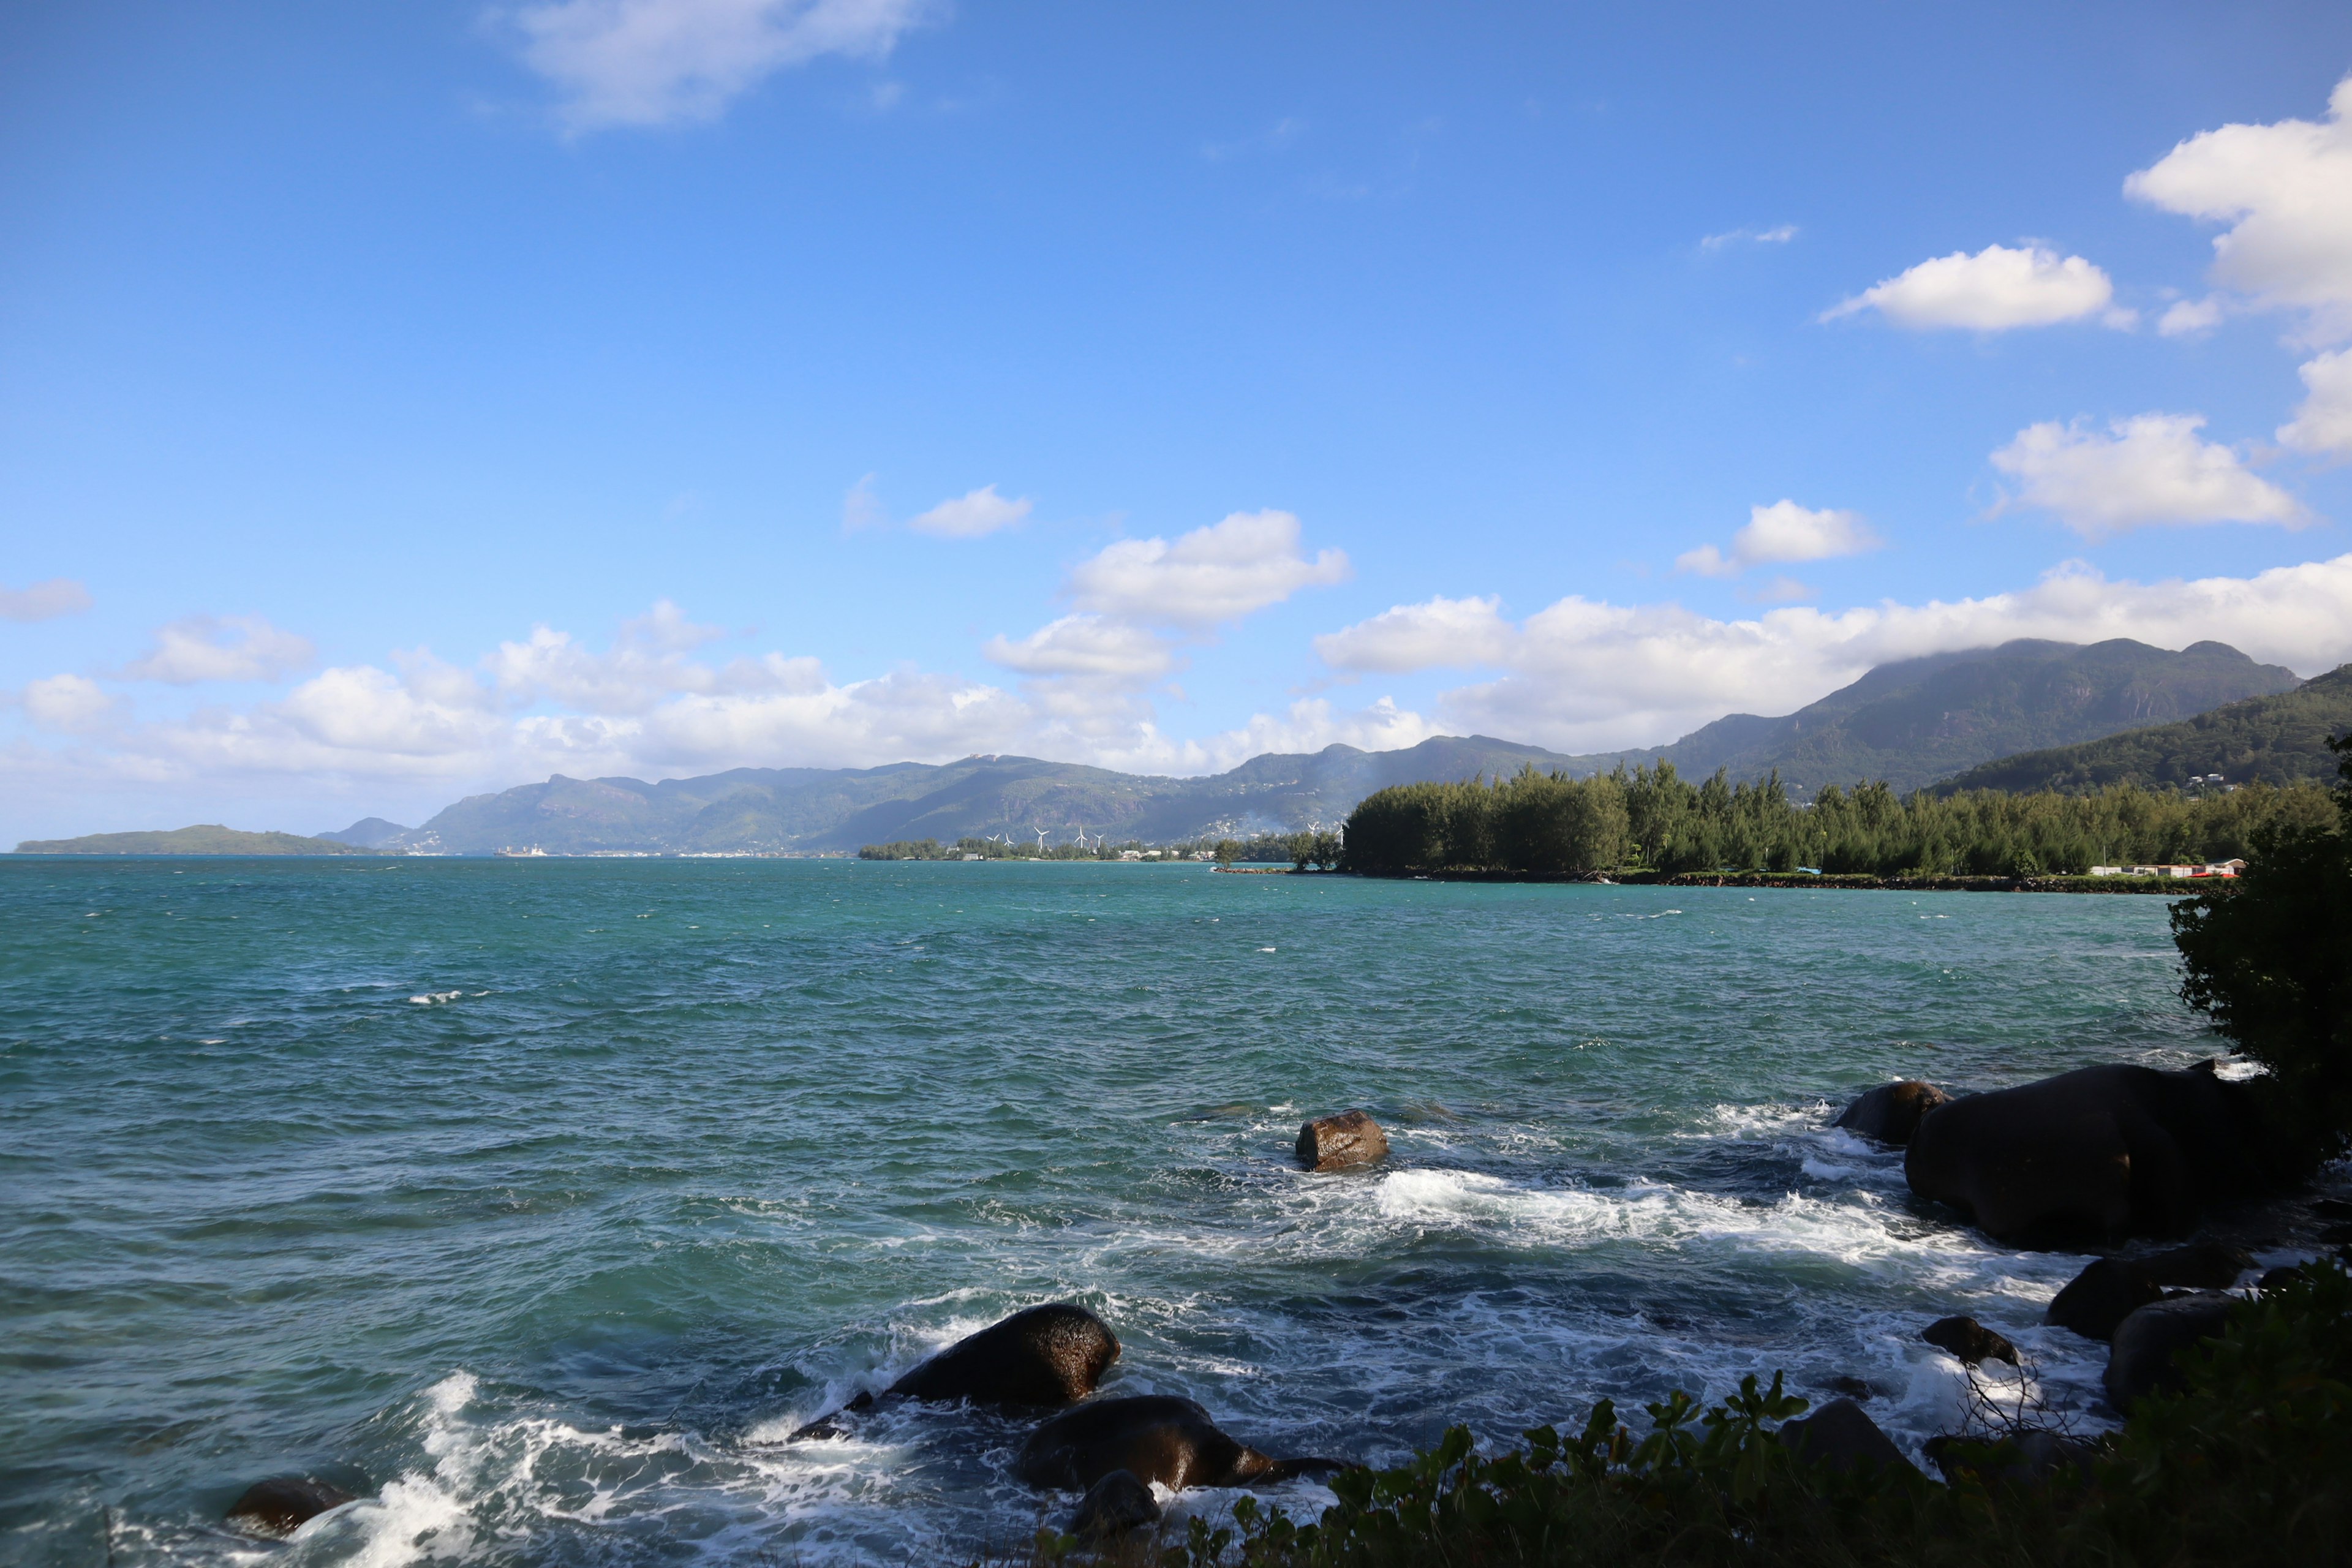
(429, 998)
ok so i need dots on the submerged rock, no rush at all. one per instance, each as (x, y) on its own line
(282, 1504)
(1841, 1436)
(2111, 1288)
(1153, 1437)
(1048, 1355)
(1969, 1341)
(2145, 1343)
(1336, 1142)
(2103, 1151)
(1116, 1504)
(1891, 1112)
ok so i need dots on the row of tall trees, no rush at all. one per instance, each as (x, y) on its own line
(1652, 818)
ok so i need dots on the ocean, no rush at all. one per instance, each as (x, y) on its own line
(540, 1200)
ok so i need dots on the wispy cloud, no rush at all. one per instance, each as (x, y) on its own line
(43, 601)
(655, 62)
(1781, 235)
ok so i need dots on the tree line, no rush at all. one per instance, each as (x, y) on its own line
(1653, 819)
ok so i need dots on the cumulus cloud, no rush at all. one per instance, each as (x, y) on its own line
(43, 601)
(1087, 646)
(1783, 532)
(1587, 675)
(1992, 291)
(68, 704)
(2323, 425)
(2286, 191)
(220, 648)
(1212, 574)
(972, 515)
(652, 62)
(2150, 468)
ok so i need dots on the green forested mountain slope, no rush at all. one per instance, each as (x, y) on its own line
(1916, 722)
(2274, 740)
(206, 839)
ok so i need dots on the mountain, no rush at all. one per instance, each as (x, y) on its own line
(209, 838)
(817, 810)
(2274, 740)
(367, 833)
(1921, 720)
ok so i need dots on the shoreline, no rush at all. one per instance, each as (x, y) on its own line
(2177, 887)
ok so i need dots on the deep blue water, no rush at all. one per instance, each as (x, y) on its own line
(544, 1197)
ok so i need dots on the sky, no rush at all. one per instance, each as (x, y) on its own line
(405, 399)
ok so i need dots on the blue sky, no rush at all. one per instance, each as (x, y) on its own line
(404, 400)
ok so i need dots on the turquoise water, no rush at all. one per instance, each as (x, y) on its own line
(547, 1196)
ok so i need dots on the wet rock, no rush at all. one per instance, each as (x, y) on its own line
(2111, 1288)
(1969, 1341)
(1153, 1437)
(1116, 1504)
(1336, 1142)
(282, 1504)
(1048, 1355)
(1840, 1437)
(2100, 1152)
(2019, 1458)
(1851, 1386)
(1891, 1112)
(831, 1429)
(2142, 1358)
(2278, 1279)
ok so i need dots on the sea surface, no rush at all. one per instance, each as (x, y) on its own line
(540, 1200)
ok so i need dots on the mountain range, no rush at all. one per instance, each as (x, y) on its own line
(1910, 723)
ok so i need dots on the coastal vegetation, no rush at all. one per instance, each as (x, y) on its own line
(209, 838)
(1654, 819)
(2270, 965)
(2243, 1464)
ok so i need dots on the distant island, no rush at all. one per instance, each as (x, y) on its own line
(206, 838)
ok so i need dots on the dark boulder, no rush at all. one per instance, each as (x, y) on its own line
(1114, 1505)
(1153, 1437)
(2020, 1459)
(2111, 1288)
(1840, 1437)
(2141, 1360)
(1336, 1142)
(831, 1429)
(2103, 1153)
(282, 1504)
(1969, 1341)
(1891, 1112)
(2278, 1279)
(1048, 1356)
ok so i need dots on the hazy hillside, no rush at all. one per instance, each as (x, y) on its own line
(205, 839)
(1909, 723)
(367, 833)
(812, 810)
(2272, 740)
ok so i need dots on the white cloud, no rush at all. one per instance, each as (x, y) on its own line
(220, 648)
(1221, 573)
(43, 601)
(2285, 190)
(1588, 675)
(2323, 424)
(972, 515)
(1783, 532)
(68, 704)
(2150, 468)
(1088, 645)
(1437, 634)
(862, 507)
(1780, 236)
(1993, 291)
(650, 62)
(2183, 317)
